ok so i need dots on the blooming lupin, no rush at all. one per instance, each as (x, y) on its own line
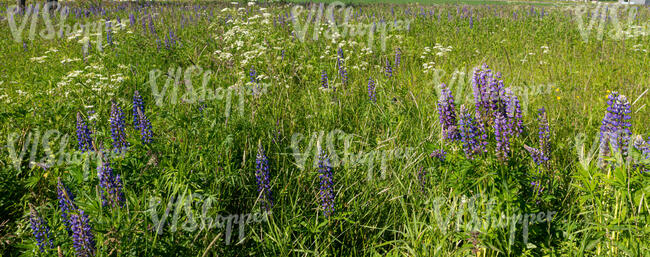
(470, 134)
(326, 191)
(615, 128)
(263, 179)
(83, 134)
(40, 230)
(323, 80)
(502, 135)
(253, 75)
(489, 95)
(137, 103)
(371, 90)
(447, 114)
(110, 185)
(441, 155)
(388, 69)
(140, 120)
(66, 202)
(144, 125)
(544, 134)
(83, 239)
(513, 110)
(117, 128)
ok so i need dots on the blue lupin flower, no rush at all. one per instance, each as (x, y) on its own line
(447, 114)
(109, 36)
(326, 191)
(262, 176)
(544, 134)
(83, 134)
(144, 125)
(371, 90)
(388, 69)
(253, 75)
(343, 73)
(117, 128)
(441, 155)
(137, 103)
(513, 111)
(470, 134)
(140, 120)
(83, 239)
(110, 185)
(502, 135)
(66, 202)
(615, 128)
(323, 79)
(40, 230)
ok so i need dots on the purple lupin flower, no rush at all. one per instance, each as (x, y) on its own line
(441, 155)
(470, 135)
(323, 79)
(447, 114)
(137, 103)
(544, 134)
(140, 120)
(388, 69)
(109, 36)
(40, 230)
(111, 186)
(83, 134)
(326, 191)
(66, 202)
(513, 111)
(502, 135)
(83, 239)
(489, 95)
(117, 128)
(339, 63)
(615, 128)
(371, 90)
(253, 75)
(144, 125)
(263, 179)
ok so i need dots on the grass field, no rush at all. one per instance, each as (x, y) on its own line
(257, 129)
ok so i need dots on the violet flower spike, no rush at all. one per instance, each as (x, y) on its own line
(263, 179)
(326, 191)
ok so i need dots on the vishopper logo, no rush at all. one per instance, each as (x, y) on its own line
(346, 28)
(460, 83)
(306, 148)
(64, 155)
(180, 203)
(478, 214)
(31, 15)
(603, 15)
(179, 80)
